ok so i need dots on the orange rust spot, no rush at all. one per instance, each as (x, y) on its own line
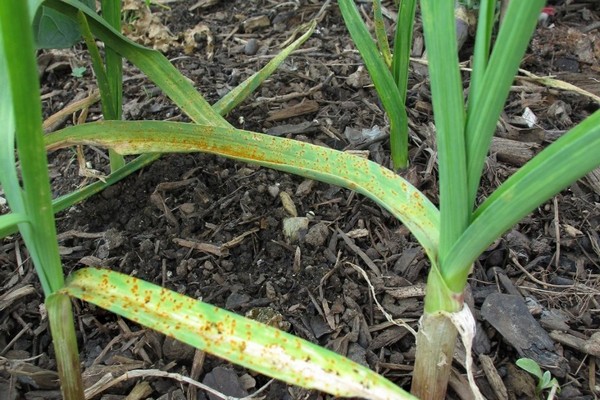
(203, 328)
(387, 173)
(163, 315)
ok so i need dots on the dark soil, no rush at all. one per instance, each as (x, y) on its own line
(550, 261)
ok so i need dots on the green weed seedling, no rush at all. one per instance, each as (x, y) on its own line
(545, 381)
(78, 72)
(453, 235)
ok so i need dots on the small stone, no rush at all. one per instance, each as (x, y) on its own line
(269, 316)
(146, 247)
(251, 47)
(293, 227)
(227, 265)
(317, 235)
(187, 208)
(113, 239)
(273, 190)
(305, 187)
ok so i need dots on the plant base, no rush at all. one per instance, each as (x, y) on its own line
(435, 349)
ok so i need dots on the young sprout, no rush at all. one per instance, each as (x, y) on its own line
(545, 379)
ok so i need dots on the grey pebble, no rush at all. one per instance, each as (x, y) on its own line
(251, 47)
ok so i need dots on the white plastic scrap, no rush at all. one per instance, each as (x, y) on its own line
(529, 117)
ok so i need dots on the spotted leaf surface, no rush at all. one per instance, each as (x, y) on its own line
(388, 189)
(240, 340)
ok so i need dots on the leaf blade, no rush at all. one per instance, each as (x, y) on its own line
(25, 118)
(530, 366)
(230, 336)
(390, 96)
(403, 45)
(448, 107)
(240, 92)
(561, 163)
(491, 91)
(391, 191)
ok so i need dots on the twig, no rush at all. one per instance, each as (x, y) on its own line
(141, 373)
(360, 253)
(330, 320)
(53, 121)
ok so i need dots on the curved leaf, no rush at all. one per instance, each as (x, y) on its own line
(561, 163)
(52, 30)
(489, 95)
(240, 340)
(389, 190)
(530, 366)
